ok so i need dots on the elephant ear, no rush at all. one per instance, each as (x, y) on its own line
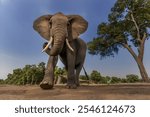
(78, 25)
(41, 25)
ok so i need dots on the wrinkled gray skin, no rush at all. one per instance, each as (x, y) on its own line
(61, 27)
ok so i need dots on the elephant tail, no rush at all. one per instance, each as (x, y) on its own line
(86, 75)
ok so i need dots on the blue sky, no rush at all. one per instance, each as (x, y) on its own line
(21, 45)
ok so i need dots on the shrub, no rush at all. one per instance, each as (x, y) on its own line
(115, 80)
(132, 78)
(2, 81)
(124, 80)
(30, 74)
(95, 76)
(83, 77)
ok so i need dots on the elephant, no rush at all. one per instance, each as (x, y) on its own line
(62, 33)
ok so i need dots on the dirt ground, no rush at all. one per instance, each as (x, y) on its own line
(85, 92)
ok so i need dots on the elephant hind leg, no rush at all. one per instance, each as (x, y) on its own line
(78, 70)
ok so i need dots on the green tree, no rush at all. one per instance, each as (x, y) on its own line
(83, 77)
(131, 78)
(59, 71)
(2, 81)
(115, 80)
(60, 75)
(128, 27)
(15, 77)
(124, 80)
(106, 80)
(30, 74)
(39, 74)
(95, 76)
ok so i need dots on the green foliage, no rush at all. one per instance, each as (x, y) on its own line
(121, 28)
(124, 80)
(33, 74)
(83, 77)
(2, 81)
(60, 72)
(131, 78)
(115, 80)
(30, 74)
(95, 76)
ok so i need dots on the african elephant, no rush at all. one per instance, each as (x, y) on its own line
(62, 33)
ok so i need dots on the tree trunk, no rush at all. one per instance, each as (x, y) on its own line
(36, 82)
(142, 70)
(139, 61)
(32, 81)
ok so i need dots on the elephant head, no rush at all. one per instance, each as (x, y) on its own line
(58, 29)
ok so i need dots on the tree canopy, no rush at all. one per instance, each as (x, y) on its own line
(128, 27)
(30, 74)
(34, 74)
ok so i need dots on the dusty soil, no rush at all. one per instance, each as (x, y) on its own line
(88, 92)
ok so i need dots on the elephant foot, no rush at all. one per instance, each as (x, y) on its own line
(71, 86)
(46, 85)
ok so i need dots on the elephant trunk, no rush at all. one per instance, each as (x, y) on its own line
(57, 45)
(57, 42)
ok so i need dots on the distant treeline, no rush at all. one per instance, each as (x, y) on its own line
(33, 75)
(96, 78)
(30, 74)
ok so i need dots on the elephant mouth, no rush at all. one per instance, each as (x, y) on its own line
(51, 41)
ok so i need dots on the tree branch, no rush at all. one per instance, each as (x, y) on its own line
(141, 47)
(130, 50)
(137, 28)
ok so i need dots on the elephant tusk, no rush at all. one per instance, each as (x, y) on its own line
(67, 42)
(49, 43)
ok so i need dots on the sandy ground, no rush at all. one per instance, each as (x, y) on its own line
(85, 92)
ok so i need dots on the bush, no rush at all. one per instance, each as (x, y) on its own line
(132, 78)
(2, 81)
(124, 80)
(83, 77)
(105, 80)
(108, 79)
(30, 74)
(115, 80)
(60, 75)
(95, 76)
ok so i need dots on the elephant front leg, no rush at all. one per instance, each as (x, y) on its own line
(48, 81)
(78, 70)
